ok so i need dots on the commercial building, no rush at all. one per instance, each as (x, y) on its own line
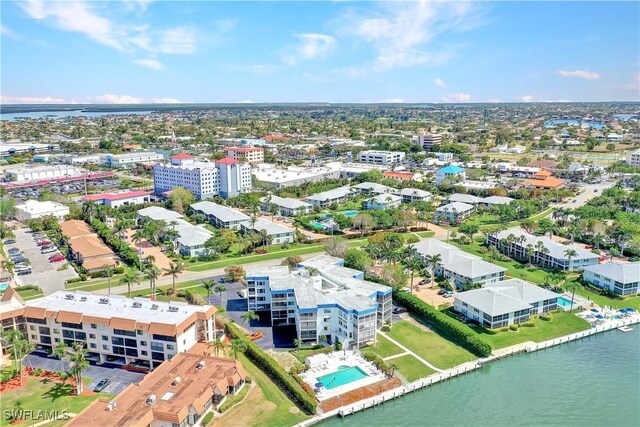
(459, 266)
(543, 180)
(450, 173)
(542, 250)
(285, 206)
(504, 303)
(381, 157)
(226, 177)
(455, 211)
(31, 173)
(220, 216)
(81, 160)
(130, 159)
(428, 140)
(382, 202)
(8, 150)
(135, 330)
(279, 233)
(634, 158)
(125, 198)
(293, 175)
(178, 393)
(247, 154)
(415, 194)
(619, 278)
(31, 209)
(321, 298)
(326, 198)
(444, 157)
(399, 176)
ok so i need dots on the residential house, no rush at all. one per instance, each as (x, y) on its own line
(455, 211)
(382, 202)
(450, 173)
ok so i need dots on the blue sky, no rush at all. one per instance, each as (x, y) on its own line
(340, 51)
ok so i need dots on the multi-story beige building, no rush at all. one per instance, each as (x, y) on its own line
(247, 154)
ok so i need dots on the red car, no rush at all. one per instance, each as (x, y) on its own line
(56, 258)
(44, 242)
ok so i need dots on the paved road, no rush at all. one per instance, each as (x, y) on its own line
(591, 191)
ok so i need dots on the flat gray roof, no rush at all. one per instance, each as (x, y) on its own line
(556, 250)
(223, 213)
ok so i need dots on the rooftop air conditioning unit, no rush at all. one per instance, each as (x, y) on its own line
(104, 300)
(200, 364)
(154, 306)
(69, 296)
(137, 304)
(176, 381)
(173, 308)
(112, 405)
(151, 400)
(83, 298)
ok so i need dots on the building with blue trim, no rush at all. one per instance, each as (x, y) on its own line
(321, 298)
(451, 172)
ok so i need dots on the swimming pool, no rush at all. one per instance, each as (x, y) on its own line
(344, 375)
(349, 213)
(317, 224)
(562, 301)
(3, 286)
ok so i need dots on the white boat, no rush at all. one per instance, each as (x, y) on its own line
(625, 329)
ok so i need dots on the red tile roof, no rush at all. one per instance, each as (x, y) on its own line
(242, 149)
(182, 156)
(408, 175)
(116, 196)
(227, 161)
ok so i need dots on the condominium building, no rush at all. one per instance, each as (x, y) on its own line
(428, 140)
(415, 194)
(31, 209)
(278, 233)
(285, 206)
(220, 216)
(622, 279)
(226, 177)
(326, 198)
(382, 202)
(23, 174)
(634, 158)
(11, 314)
(451, 172)
(458, 266)
(455, 211)
(381, 157)
(321, 298)
(541, 250)
(247, 154)
(130, 159)
(373, 188)
(504, 303)
(136, 331)
(123, 198)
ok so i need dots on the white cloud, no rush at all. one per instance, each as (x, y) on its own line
(118, 99)
(8, 32)
(634, 85)
(245, 101)
(261, 68)
(154, 64)
(75, 17)
(525, 98)
(580, 74)
(393, 101)
(178, 40)
(456, 97)
(31, 100)
(439, 82)
(140, 5)
(494, 100)
(401, 32)
(310, 46)
(166, 101)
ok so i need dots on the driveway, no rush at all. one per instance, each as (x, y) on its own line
(119, 377)
(45, 274)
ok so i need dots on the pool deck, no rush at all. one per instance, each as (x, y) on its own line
(330, 363)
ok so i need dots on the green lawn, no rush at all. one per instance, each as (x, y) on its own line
(271, 408)
(425, 233)
(411, 368)
(601, 300)
(30, 294)
(303, 353)
(383, 348)
(46, 396)
(561, 324)
(430, 346)
(514, 268)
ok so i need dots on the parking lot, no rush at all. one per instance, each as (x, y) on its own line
(120, 378)
(44, 273)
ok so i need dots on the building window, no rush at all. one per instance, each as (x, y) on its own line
(170, 347)
(93, 345)
(105, 338)
(143, 343)
(92, 336)
(94, 326)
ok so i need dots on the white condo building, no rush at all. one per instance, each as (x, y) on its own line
(634, 158)
(226, 177)
(381, 157)
(130, 159)
(24, 174)
(321, 298)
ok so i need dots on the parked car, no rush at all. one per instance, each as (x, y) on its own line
(23, 271)
(424, 282)
(10, 242)
(442, 291)
(44, 242)
(56, 258)
(448, 294)
(13, 252)
(397, 309)
(48, 250)
(102, 385)
(18, 259)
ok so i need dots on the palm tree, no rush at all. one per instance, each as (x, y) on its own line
(129, 278)
(529, 251)
(60, 351)
(208, 285)
(152, 274)
(413, 264)
(16, 340)
(237, 345)
(248, 317)
(79, 363)
(570, 253)
(393, 368)
(573, 287)
(137, 238)
(220, 289)
(173, 271)
(297, 343)
(108, 273)
(217, 345)
(432, 262)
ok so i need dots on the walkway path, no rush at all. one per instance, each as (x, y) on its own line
(410, 352)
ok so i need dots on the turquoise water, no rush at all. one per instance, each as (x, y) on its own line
(588, 382)
(565, 302)
(573, 122)
(349, 213)
(344, 375)
(3, 286)
(316, 224)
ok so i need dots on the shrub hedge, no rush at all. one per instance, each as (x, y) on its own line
(232, 400)
(274, 371)
(443, 323)
(378, 362)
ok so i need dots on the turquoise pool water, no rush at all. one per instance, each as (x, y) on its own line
(3, 286)
(316, 224)
(565, 302)
(344, 375)
(349, 213)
